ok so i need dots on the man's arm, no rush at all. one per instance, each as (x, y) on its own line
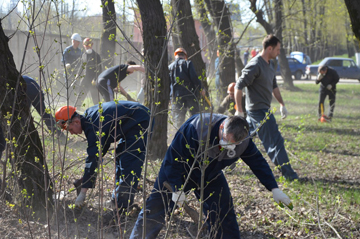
(277, 95)
(258, 165)
(132, 68)
(238, 101)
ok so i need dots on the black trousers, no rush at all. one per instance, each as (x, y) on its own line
(322, 95)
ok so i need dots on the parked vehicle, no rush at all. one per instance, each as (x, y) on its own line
(297, 68)
(345, 67)
(300, 56)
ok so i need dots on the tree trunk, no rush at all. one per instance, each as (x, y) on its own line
(108, 34)
(353, 7)
(238, 62)
(283, 62)
(30, 170)
(221, 15)
(305, 26)
(209, 34)
(156, 91)
(189, 39)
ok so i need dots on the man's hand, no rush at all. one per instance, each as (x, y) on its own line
(80, 200)
(68, 66)
(238, 113)
(283, 111)
(203, 92)
(178, 197)
(281, 198)
(329, 87)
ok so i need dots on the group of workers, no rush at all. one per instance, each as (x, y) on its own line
(202, 147)
(84, 73)
(223, 139)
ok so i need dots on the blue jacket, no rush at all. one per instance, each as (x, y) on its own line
(184, 80)
(116, 118)
(71, 55)
(190, 143)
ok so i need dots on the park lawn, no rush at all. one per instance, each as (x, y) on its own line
(326, 199)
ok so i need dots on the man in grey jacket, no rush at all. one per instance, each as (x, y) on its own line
(258, 79)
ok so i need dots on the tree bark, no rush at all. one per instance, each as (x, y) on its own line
(283, 62)
(221, 15)
(30, 169)
(157, 87)
(209, 34)
(188, 37)
(353, 7)
(108, 35)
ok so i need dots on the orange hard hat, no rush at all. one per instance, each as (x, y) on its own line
(180, 50)
(64, 114)
(231, 88)
(87, 41)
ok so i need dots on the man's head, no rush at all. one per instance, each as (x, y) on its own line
(76, 40)
(180, 53)
(322, 70)
(67, 119)
(233, 129)
(271, 46)
(231, 90)
(87, 44)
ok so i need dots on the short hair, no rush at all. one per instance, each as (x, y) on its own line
(322, 68)
(237, 126)
(270, 40)
(130, 63)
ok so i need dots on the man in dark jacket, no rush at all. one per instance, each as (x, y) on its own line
(223, 140)
(185, 87)
(71, 55)
(88, 73)
(123, 122)
(109, 80)
(35, 98)
(328, 78)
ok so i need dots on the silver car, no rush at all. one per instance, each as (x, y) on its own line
(345, 67)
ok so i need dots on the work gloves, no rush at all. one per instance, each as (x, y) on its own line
(178, 197)
(242, 114)
(281, 198)
(80, 200)
(319, 78)
(68, 66)
(283, 111)
(329, 87)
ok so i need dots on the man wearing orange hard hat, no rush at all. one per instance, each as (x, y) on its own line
(123, 122)
(185, 87)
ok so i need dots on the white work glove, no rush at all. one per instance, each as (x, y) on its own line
(80, 200)
(283, 111)
(67, 66)
(320, 76)
(281, 198)
(329, 87)
(242, 114)
(178, 197)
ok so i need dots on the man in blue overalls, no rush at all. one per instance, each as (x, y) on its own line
(223, 140)
(123, 122)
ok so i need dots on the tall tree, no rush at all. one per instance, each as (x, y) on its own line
(157, 85)
(221, 15)
(29, 166)
(188, 37)
(353, 7)
(108, 34)
(209, 34)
